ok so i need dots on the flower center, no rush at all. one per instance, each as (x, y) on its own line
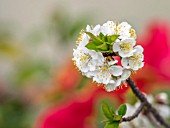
(126, 46)
(136, 57)
(85, 58)
(103, 69)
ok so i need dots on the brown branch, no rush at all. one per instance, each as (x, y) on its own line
(150, 108)
(152, 120)
(137, 112)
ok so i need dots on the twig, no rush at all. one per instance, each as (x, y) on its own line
(151, 109)
(137, 112)
(152, 120)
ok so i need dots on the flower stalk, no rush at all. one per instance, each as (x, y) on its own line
(137, 112)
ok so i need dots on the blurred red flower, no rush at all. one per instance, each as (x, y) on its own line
(156, 71)
(157, 48)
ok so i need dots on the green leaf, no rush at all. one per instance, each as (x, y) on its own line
(106, 111)
(122, 109)
(93, 36)
(103, 47)
(114, 124)
(97, 46)
(105, 121)
(92, 45)
(111, 39)
(101, 36)
(104, 39)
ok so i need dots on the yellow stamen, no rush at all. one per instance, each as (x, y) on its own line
(126, 46)
(79, 39)
(132, 33)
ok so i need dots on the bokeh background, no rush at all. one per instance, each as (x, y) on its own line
(39, 85)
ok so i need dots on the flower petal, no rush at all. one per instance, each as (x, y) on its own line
(116, 47)
(112, 62)
(125, 62)
(139, 48)
(122, 54)
(110, 87)
(102, 77)
(116, 70)
(88, 28)
(85, 68)
(141, 65)
(132, 40)
(96, 30)
(118, 82)
(125, 25)
(126, 73)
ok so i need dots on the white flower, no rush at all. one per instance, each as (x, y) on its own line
(108, 28)
(125, 47)
(123, 29)
(87, 60)
(135, 61)
(104, 74)
(117, 81)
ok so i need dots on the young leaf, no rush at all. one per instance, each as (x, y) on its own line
(103, 47)
(114, 124)
(93, 45)
(98, 46)
(106, 111)
(93, 36)
(122, 110)
(112, 38)
(101, 36)
(105, 121)
(104, 39)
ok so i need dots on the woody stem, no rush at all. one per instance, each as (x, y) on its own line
(149, 107)
(136, 113)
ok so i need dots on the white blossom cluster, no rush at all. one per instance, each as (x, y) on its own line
(105, 69)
